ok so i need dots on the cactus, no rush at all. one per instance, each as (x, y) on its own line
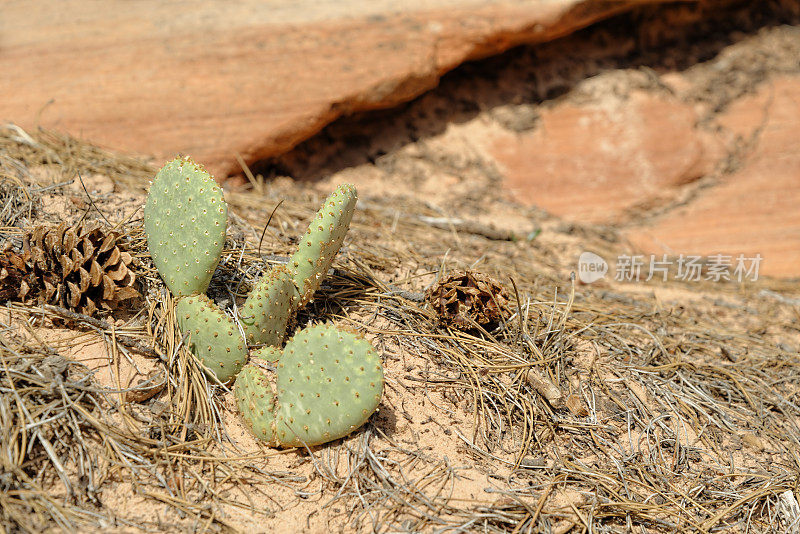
(185, 219)
(328, 384)
(321, 242)
(325, 383)
(266, 354)
(265, 313)
(281, 291)
(256, 399)
(213, 337)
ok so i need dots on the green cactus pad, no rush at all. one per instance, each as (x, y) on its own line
(213, 337)
(255, 398)
(328, 384)
(265, 313)
(185, 219)
(321, 242)
(266, 355)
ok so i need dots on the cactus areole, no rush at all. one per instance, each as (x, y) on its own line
(325, 382)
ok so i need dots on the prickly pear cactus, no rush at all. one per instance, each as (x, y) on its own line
(185, 219)
(327, 384)
(213, 337)
(266, 311)
(321, 242)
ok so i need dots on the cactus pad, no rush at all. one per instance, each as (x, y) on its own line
(266, 355)
(321, 242)
(328, 384)
(255, 397)
(214, 338)
(185, 219)
(265, 313)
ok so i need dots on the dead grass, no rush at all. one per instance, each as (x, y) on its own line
(606, 408)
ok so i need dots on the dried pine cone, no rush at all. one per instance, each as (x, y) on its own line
(81, 268)
(463, 299)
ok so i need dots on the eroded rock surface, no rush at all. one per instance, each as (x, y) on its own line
(594, 162)
(251, 78)
(699, 161)
(754, 210)
(690, 150)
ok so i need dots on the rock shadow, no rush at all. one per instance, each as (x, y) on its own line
(511, 86)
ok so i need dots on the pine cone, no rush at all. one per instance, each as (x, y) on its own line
(464, 299)
(80, 268)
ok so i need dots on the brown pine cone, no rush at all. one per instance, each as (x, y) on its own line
(81, 268)
(464, 299)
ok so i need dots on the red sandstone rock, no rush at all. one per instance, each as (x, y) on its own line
(593, 163)
(251, 78)
(629, 161)
(754, 210)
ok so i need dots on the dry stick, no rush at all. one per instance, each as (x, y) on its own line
(57, 513)
(469, 227)
(523, 327)
(187, 507)
(712, 521)
(124, 412)
(92, 204)
(278, 205)
(129, 342)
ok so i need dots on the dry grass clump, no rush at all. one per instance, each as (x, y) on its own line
(47, 405)
(67, 439)
(633, 417)
(22, 151)
(608, 408)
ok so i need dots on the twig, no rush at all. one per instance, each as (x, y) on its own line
(468, 227)
(129, 342)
